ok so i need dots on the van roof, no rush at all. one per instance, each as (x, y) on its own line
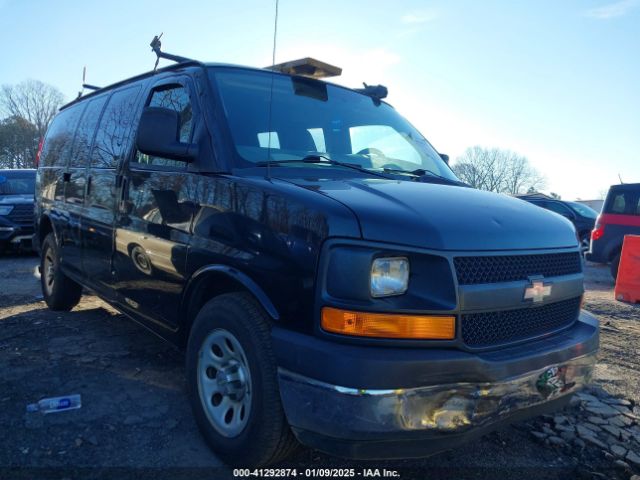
(168, 68)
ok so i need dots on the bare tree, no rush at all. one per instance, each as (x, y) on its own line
(33, 100)
(496, 170)
(18, 143)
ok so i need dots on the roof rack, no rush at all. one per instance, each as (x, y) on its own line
(156, 45)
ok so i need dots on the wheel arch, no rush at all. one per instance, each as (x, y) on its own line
(213, 280)
(45, 226)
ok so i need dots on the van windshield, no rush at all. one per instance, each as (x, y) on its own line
(310, 117)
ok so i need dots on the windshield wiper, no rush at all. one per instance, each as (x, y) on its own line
(321, 159)
(423, 174)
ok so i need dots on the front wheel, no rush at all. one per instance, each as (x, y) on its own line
(59, 291)
(233, 385)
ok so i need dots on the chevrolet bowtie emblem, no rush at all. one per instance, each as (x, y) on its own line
(537, 291)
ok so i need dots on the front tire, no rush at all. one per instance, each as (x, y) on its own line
(233, 384)
(59, 291)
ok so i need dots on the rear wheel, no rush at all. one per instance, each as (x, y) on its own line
(59, 291)
(233, 385)
(615, 264)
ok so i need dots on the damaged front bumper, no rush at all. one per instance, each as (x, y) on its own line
(422, 420)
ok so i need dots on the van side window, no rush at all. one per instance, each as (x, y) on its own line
(175, 97)
(59, 138)
(86, 129)
(115, 125)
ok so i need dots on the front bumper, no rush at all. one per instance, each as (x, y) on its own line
(11, 233)
(421, 420)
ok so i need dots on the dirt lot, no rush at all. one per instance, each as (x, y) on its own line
(135, 421)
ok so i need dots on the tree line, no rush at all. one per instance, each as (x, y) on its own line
(496, 170)
(26, 109)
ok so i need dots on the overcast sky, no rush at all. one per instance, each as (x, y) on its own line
(558, 82)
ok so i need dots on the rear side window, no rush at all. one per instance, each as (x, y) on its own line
(623, 203)
(175, 97)
(619, 203)
(86, 129)
(57, 145)
(113, 133)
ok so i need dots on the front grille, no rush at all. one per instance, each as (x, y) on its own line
(508, 268)
(22, 214)
(497, 328)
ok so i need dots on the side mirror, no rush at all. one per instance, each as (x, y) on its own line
(158, 135)
(445, 158)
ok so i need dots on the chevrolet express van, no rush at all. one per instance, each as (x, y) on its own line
(330, 279)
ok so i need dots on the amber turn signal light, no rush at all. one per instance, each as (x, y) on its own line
(388, 325)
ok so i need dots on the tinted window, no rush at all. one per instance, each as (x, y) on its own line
(59, 138)
(584, 210)
(17, 183)
(558, 208)
(115, 124)
(175, 97)
(84, 135)
(617, 202)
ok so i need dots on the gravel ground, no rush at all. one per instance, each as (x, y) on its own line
(135, 421)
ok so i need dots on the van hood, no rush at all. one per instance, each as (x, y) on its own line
(444, 217)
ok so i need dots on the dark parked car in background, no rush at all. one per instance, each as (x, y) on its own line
(582, 216)
(620, 216)
(16, 208)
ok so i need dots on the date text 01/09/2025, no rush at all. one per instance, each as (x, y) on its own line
(315, 473)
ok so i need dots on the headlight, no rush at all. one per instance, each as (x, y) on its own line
(389, 276)
(5, 209)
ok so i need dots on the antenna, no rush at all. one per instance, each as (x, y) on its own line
(273, 63)
(620, 178)
(156, 45)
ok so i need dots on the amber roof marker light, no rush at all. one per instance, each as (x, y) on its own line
(388, 325)
(307, 67)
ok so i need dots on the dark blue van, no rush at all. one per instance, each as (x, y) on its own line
(330, 279)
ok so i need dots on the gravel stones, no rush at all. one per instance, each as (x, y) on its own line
(596, 425)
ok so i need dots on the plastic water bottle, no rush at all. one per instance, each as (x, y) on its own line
(56, 404)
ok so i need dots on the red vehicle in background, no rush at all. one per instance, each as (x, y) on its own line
(620, 216)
